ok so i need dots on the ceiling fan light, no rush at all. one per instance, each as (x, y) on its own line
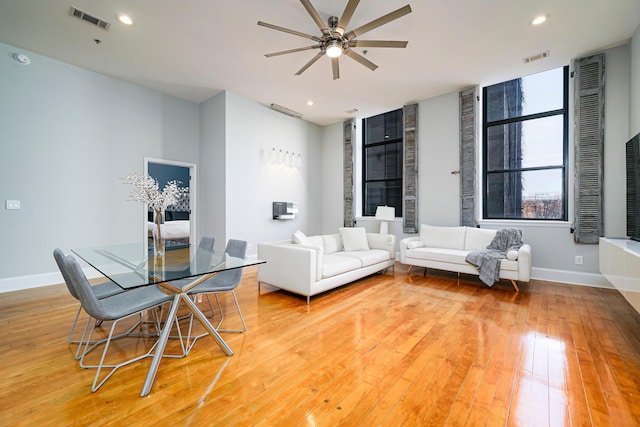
(334, 50)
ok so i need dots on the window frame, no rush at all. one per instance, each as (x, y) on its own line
(564, 111)
(386, 142)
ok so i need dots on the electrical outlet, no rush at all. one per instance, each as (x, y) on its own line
(579, 260)
(12, 204)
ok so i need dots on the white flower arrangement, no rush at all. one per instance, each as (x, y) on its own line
(146, 190)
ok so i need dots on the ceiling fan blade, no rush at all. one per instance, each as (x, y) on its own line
(361, 59)
(300, 49)
(346, 16)
(379, 22)
(310, 63)
(377, 43)
(315, 15)
(336, 68)
(286, 30)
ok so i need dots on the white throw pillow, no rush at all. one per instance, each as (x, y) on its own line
(299, 238)
(477, 239)
(354, 239)
(416, 244)
(442, 237)
(315, 241)
(332, 243)
(512, 255)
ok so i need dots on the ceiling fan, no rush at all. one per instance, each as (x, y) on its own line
(336, 41)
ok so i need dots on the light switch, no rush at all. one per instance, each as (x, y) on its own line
(13, 204)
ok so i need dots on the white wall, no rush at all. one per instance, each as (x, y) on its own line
(439, 155)
(332, 178)
(254, 181)
(617, 102)
(634, 123)
(212, 214)
(68, 134)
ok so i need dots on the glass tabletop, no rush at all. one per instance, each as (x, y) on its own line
(133, 265)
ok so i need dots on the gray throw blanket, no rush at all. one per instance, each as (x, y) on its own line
(488, 261)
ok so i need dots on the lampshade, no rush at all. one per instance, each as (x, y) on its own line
(334, 50)
(386, 213)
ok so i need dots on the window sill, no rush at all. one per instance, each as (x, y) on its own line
(526, 223)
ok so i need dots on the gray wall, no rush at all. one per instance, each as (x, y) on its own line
(634, 123)
(68, 134)
(553, 248)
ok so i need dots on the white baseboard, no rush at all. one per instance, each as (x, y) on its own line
(38, 280)
(562, 276)
(595, 280)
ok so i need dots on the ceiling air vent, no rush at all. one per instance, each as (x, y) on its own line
(536, 57)
(100, 23)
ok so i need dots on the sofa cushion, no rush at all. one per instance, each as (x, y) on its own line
(354, 239)
(415, 244)
(442, 237)
(507, 264)
(299, 238)
(315, 241)
(477, 239)
(332, 243)
(453, 256)
(367, 258)
(333, 265)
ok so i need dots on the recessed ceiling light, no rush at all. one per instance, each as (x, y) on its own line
(309, 103)
(540, 19)
(125, 19)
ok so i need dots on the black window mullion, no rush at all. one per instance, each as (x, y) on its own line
(503, 194)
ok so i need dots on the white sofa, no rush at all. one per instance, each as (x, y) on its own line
(445, 248)
(318, 263)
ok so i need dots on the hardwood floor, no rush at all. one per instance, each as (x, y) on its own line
(391, 349)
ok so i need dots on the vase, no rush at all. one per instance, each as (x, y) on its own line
(158, 236)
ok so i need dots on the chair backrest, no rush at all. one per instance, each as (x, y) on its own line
(207, 243)
(81, 285)
(60, 258)
(238, 249)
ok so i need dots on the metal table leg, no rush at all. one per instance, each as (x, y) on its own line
(162, 342)
(164, 335)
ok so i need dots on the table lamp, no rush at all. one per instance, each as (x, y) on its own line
(385, 214)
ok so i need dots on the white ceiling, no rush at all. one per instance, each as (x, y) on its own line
(193, 49)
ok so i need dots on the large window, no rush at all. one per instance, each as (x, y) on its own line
(382, 162)
(525, 147)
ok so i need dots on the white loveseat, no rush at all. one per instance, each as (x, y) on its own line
(446, 248)
(311, 265)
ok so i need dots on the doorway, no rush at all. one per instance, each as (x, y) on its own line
(180, 219)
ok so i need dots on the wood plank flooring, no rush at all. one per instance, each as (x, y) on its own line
(392, 349)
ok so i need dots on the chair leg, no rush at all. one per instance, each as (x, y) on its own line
(73, 327)
(515, 286)
(244, 326)
(97, 382)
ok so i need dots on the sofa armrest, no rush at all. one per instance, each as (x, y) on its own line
(403, 247)
(385, 242)
(524, 263)
(294, 267)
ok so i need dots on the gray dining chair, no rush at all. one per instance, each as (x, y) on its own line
(207, 243)
(225, 282)
(114, 308)
(101, 290)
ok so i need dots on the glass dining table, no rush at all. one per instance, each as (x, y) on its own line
(133, 265)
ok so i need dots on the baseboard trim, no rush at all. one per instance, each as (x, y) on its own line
(21, 283)
(594, 280)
